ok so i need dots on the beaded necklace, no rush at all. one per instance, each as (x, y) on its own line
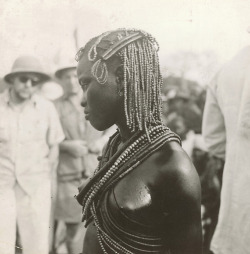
(134, 152)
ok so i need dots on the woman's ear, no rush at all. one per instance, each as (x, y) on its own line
(120, 79)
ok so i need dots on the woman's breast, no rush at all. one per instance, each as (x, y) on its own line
(133, 206)
(138, 197)
(129, 214)
(126, 215)
(132, 198)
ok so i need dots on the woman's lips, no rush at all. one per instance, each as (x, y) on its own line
(87, 116)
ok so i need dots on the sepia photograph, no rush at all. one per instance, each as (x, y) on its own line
(124, 126)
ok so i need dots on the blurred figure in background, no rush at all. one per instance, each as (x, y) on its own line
(78, 156)
(226, 128)
(182, 103)
(71, 169)
(209, 169)
(3, 85)
(177, 123)
(51, 90)
(30, 132)
(207, 166)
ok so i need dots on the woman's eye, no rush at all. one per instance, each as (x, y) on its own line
(84, 85)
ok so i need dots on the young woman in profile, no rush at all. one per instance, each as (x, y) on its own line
(145, 194)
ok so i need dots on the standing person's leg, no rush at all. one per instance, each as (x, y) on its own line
(18, 241)
(53, 222)
(34, 217)
(7, 220)
(70, 212)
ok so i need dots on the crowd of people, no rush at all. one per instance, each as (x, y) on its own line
(47, 150)
(172, 178)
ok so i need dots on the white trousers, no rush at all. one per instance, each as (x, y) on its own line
(31, 213)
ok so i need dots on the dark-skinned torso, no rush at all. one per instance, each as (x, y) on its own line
(162, 196)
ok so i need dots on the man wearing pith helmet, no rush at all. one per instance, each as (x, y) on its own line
(30, 132)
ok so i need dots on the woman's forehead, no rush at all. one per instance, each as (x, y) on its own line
(84, 66)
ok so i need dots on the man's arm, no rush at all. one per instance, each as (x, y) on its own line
(55, 134)
(213, 126)
(53, 156)
(76, 148)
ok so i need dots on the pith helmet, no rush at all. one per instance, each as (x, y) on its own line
(63, 68)
(27, 64)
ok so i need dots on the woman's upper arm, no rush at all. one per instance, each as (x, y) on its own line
(183, 225)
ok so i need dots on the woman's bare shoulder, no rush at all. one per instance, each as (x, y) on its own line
(178, 177)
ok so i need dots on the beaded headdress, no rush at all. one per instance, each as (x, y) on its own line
(137, 51)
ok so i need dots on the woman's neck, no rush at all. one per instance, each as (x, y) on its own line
(124, 130)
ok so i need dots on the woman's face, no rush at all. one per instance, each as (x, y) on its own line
(103, 105)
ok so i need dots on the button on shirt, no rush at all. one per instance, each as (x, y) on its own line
(25, 139)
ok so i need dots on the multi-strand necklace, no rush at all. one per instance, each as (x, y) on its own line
(118, 165)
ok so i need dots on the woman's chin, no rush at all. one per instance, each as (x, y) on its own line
(100, 126)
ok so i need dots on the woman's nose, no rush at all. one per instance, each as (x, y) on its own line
(84, 100)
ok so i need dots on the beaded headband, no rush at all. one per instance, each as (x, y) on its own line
(116, 47)
(122, 43)
(141, 73)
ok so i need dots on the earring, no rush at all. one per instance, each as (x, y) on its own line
(119, 84)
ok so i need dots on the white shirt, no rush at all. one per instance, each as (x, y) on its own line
(25, 140)
(226, 129)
